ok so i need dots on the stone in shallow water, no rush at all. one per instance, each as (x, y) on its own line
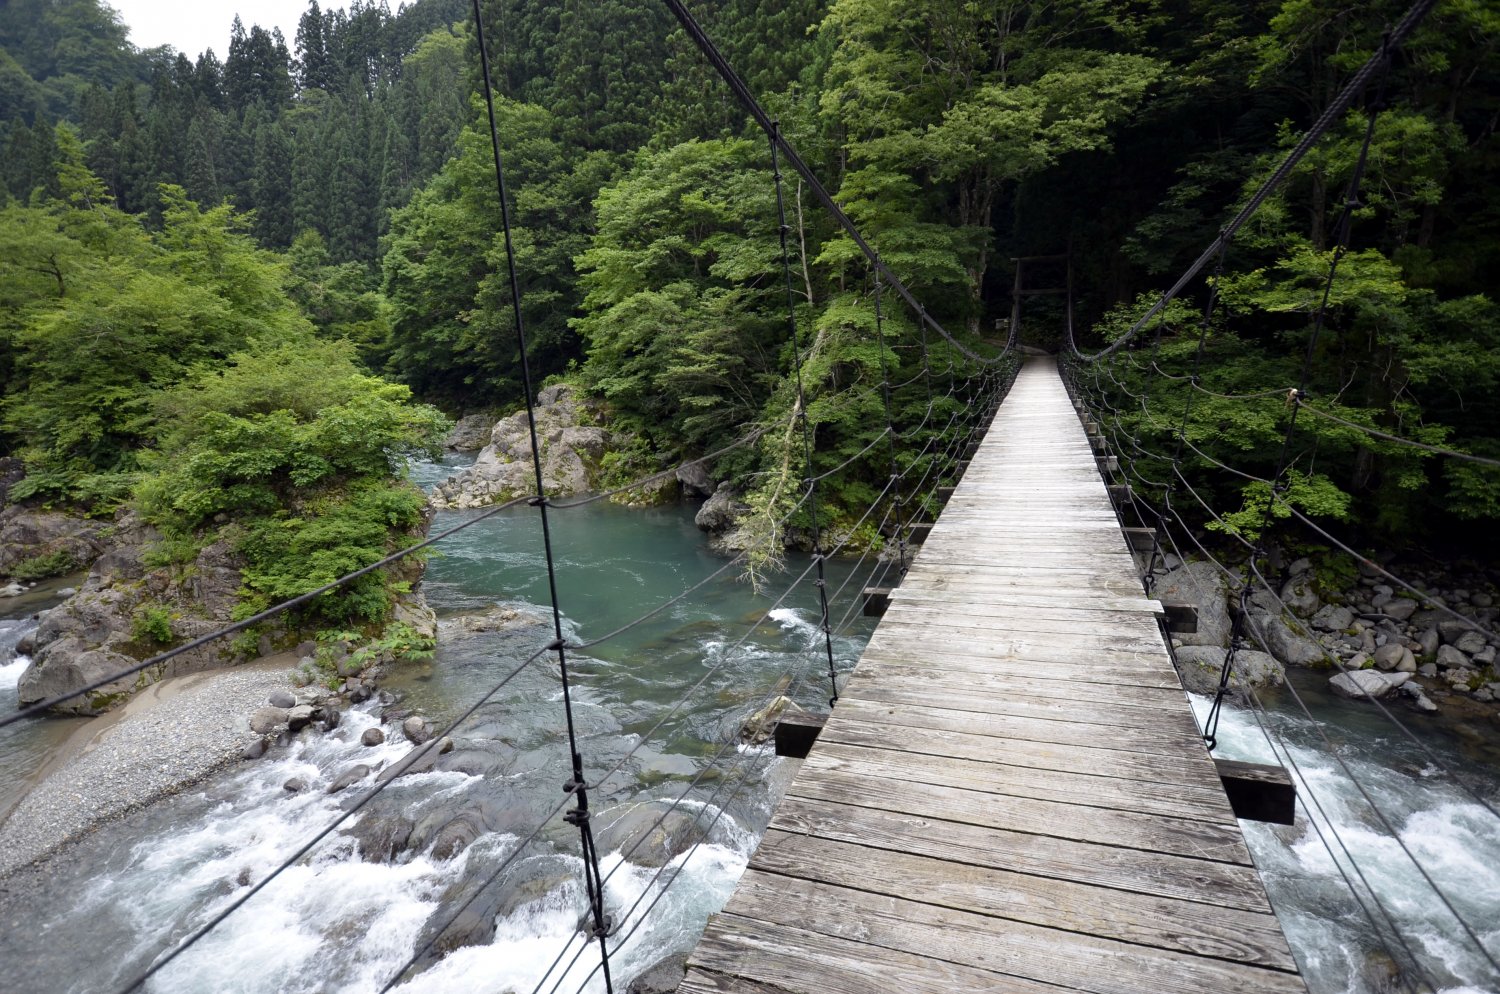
(349, 778)
(1400, 609)
(265, 720)
(1450, 658)
(1366, 684)
(1332, 618)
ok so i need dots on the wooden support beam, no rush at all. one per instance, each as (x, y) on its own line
(1140, 539)
(796, 733)
(1098, 443)
(1257, 792)
(944, 494)
(1121, 493)
(1182, 619)
(962, 467)
(1108, 464)
(919, 532)
(877, 599)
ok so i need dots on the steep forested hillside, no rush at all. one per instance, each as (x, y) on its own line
(324, 132)
(958, 135)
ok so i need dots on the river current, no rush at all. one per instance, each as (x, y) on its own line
(345, 921)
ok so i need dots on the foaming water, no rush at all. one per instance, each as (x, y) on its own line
(1385, 841)
(10, 673)
(678, 802)
(24, 746)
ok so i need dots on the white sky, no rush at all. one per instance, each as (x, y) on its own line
(190, 26)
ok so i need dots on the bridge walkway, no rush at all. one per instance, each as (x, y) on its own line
(1011, 794)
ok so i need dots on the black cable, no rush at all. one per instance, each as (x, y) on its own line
(776, 140)
(1308, 793)
(1400, 725)
(747, 100)
(296, 857)
(381, 786)
(1437, 449)
(641, 839)
(1330, 116)
(576, 786)
(644, 737)
(35, 710)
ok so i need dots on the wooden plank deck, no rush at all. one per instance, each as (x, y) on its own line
(1011, 794)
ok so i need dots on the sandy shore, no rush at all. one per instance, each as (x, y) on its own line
(169, 736)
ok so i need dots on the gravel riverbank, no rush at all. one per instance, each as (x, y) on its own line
(168, 737)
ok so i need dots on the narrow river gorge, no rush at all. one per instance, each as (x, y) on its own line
(347, 917)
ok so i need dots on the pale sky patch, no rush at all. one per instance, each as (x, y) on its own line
(190, 26)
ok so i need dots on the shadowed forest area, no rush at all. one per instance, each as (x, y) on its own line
(188, 240)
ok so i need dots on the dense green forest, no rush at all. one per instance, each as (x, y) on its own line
(183, 234)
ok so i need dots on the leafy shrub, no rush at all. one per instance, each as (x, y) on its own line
(45, 565)
(151, 624)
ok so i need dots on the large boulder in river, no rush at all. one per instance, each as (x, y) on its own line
(662, 977)
(1299, 596)
(470, 434)
(1199, 667)
(572, 450)
(1203, 585)
(1289, 645)
(127, 611)
(40, 543)
(1361, 685)
(649, 834)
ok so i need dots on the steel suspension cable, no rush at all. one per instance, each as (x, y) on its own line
(747, 100)
(1335, 109)
(890, 422)
(296, 857)
(1308, 793)
(802, 414)
(577, 785)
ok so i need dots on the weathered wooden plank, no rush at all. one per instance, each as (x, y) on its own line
(1078, 689)
(1143, 919)
(796, 732)
(802, 961)
(1184, 770)
(1140, 627)
(1132, 830)
(997, 777)
(1125, 738)
(971, 602)
(1037, 662)
(1024, 953)
(1133, 870)
(706, 982)
(1012, 704)
(1026, 583)
(1259, 792)
(921, 642)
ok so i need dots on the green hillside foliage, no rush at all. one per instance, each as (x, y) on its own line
(346, 179)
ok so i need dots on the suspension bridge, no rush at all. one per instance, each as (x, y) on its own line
(1010, 792)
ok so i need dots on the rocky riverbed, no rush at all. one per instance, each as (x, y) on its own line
(1426, 648)
(176, 734)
